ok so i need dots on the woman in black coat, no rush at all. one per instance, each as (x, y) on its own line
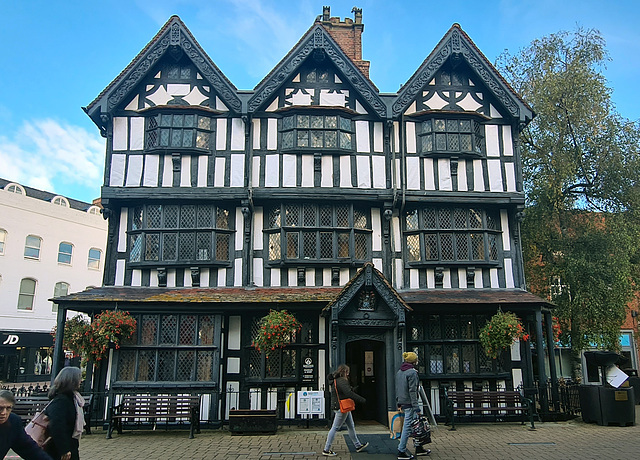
(12, 435)
(66, 419)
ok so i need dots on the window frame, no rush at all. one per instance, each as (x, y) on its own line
(14, 188)
(340, 115)
(54, 306)
(93, 259)
(22, 294)
(476, 132)
(60, 201)
(65, 254)
(3, 241)
(153, 123)
(38, 248)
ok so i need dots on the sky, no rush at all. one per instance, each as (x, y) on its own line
(58, 55)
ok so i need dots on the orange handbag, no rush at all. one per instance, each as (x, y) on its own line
(347, 404)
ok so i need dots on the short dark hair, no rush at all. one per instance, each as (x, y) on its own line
(8, 396)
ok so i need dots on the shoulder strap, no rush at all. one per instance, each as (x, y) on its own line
(336, 385)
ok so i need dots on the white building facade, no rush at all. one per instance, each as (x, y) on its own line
(49, 245)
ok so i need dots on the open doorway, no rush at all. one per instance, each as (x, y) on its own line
(367, 361)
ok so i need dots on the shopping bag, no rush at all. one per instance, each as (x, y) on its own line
(396, 421)
(420, 430)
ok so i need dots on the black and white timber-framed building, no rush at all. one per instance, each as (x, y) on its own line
(384, 222)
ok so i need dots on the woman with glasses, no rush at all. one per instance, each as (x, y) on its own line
(12, 435)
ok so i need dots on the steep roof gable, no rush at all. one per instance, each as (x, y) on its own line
(457, 44)
(316, 38)
(173, 37)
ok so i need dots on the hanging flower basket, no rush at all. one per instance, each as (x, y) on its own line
(276, 330)
(500, 332)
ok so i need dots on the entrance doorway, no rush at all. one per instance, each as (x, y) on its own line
(367, 361)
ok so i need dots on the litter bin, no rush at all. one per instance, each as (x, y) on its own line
(590, 404)
(618, 406)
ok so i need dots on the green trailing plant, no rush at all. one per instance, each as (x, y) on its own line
(276, 330)
(500, 332)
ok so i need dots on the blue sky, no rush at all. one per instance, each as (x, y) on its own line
(59, 55)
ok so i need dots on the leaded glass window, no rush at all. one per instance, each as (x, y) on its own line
(440, 135)
(451, 235)
(317, 132)
(185, 234)
(178, 131)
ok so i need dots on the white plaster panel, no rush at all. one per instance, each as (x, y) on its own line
(462, 176)
(411, 136)
(507, 140)
(492, 140)
(397, 281)
(345, 171)
(411, 108)
(510, 176)
(171, 277)
(396, 136)
(185, 171)
(494, 112)
(462, 278)
(258, 267)
(307, 171)
(219, 173)
(364, 171)
(255, 172)
(258, 228)
(275, 277)
(332, 99)
(397, 240)
(167, 172)
(272, 134)
(397, 172)
(310, 277)
(429, 174)
(233, 365)
(414, 278)
(431, 278)
(237, 134)
(272, 171)
(289, 170)
(136, 138)
(344, 276)
(273, 106)
(326, 277)
(186, 278)
(221, 105)
(151, 165)
(493, 275)
(516, 374)
(377, 263)
(239, 226)
(435, 101)
(302, 96)
(292, 277)
(221, 134)
(178, 89)
(379, 173)
(222, 277)
(116, 174)
(469, 103)
(159, 96)
(326, 169)
(237, 170)
(153, 278)
(376, 229)
(444, 173)
(204, 277)
(478, 177)
(195, 97)
(413, 173)
(504, 224)
(477, 283)
(508, 273)
(133, 104)
(134, 171)
(495, 175)
(359, 107)
(120, 133)
(235, 332)
(203, 169)
(256, 123)
(120, 266)
(378, 137)
(362, 136)
(446, 279)
(122, 231)
(237, 272)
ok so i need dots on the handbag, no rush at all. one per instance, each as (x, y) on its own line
(347, 404)
(38, 428)
(420, 430)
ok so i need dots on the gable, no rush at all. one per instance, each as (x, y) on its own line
(296, 79)
(173, 42)
(473, 79)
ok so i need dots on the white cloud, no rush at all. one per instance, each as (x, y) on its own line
(53, 156)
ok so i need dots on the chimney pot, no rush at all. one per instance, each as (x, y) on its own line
(326, 13)
(357, 14)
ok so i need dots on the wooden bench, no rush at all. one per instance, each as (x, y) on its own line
(154, 408)
(499, 404)
(27, 406)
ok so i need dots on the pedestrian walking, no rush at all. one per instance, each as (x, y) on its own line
(407, 386)
(341, 390)
(66, 418)
(12, 434)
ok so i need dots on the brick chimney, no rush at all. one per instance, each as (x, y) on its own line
(348, 35)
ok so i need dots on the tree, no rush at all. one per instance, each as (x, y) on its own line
(580, 169)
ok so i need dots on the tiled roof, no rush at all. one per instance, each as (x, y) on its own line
(46, 196)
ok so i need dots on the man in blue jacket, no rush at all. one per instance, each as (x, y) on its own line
(12, 435)
(407, 385)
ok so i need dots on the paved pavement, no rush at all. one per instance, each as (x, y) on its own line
(478, 441)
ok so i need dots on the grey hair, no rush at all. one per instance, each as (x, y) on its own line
(8, 396)
(67, 381)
